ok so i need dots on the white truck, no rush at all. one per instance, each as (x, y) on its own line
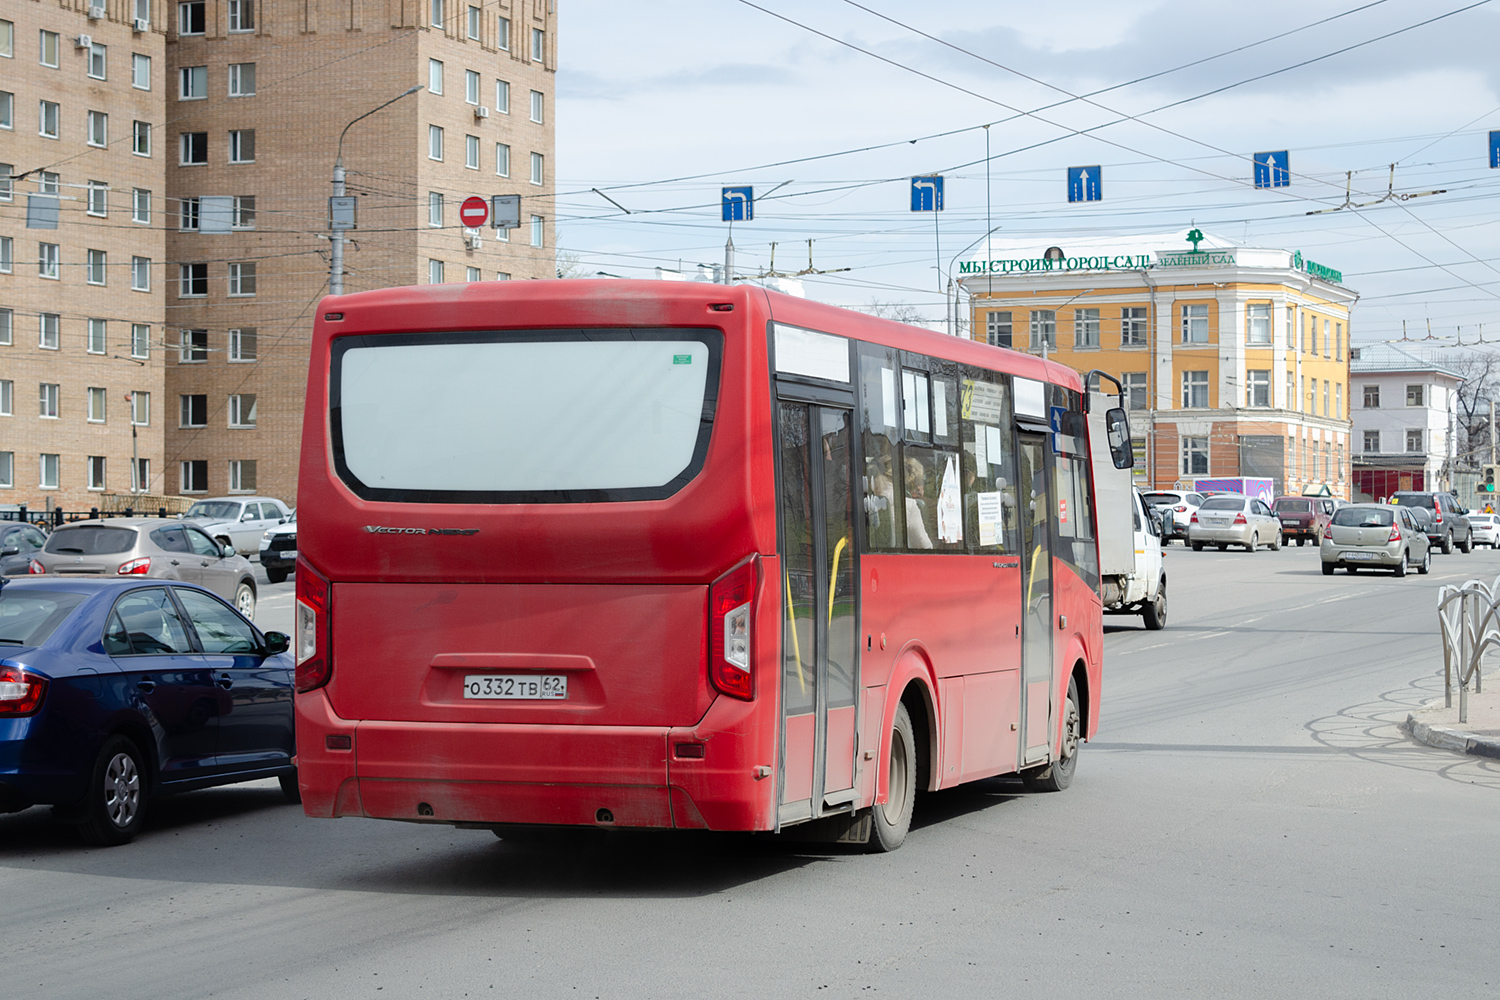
(1132, 574)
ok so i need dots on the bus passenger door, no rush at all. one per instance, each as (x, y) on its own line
(820, 619)
(1036, 593)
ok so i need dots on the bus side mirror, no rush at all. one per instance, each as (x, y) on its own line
(1117, 432)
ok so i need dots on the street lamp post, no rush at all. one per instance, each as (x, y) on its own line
(336, 236)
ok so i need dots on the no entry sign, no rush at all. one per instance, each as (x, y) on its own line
(473, 212)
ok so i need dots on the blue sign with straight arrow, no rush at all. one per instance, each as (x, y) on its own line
(1495, 149)
(1085, 183)
(1272, 170)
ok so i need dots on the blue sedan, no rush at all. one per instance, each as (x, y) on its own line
(113, 692)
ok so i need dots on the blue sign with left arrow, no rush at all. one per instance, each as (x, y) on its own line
(927, 194)
(738, 204)
(1272, 170)
(1085, 183)
(1495, 149)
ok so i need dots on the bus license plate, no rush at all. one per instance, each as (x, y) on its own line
(549, 687)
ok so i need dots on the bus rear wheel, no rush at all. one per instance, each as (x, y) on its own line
(892, 820)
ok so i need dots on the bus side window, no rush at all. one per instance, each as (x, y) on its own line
(988, 459)
(880, 418)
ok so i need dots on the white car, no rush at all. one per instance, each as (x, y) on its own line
(238, 521)
(278, 549)
(1178, 506)
(1486, 528)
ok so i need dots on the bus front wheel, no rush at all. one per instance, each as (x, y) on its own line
(1059, 774)
(892, 820)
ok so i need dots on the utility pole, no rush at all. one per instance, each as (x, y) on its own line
(335, 231)
(729, 261)
(1492, 432)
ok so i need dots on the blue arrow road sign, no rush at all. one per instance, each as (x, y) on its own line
(1085, 184)
(1272, 170)
(1495, 149)
(738, 204)
(927, 194)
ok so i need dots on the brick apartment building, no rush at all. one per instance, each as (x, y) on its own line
(246, 103)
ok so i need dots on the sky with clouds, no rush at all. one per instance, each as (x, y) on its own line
(835, 104)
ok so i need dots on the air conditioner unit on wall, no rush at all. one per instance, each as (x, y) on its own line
(83, 41)
(481, 112)
(472, 240)
(141, 24)
(96, 12)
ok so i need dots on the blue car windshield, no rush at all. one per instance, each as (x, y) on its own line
(28, 617)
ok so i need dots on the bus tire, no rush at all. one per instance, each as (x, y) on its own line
(1059, 774)
(891, 821)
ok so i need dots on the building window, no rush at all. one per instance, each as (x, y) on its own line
(502, 35)
(96, 267)
(502, 275)
(7, 186)
(536, 106)
(190, 18)
(1372, 442)
(1135, 390)
(244, 212)
(1338, 342)
(51, 182)
(1312, 406)
(98, 198)
(1372, 397)
(140, 475)
(241, 79)
(47, 120)
(194, 411)
(1338, 401)
(1258, 324)
(7, 110)
(502, 97)
(48, 336)
(7, 393)
(538, 44)
(435, 76)
(140, 274)
(7, 469)
(98, 54)
(48, 260)
(537, 165)
(1133, 326)
(192, 83)
(1414, 439)
(98, 128)
(243, 344)
(241, 15)
(242, 475)
(1326, 384)
(195, 476)
(140, 408)
(1195, 456)
(192, 346)
(1414, 395)
(193, 281)
(437, 20)
(7, 39)
(473, 274)
(1085, 329)
(48, 472)
(187, 215)
(536, 230)
(1194, 390)
(96, 472)
(7, 321)
(49, 45)
(502, 159)
(96, 405)
(434, 208)
(471, 87)
(242, 145)
(98, 336)
(50, 393)
(997, 329)
(1195, 324)
(434, 142)
(194, 148)
(474, 23)
(1291, 330)
(242, 278)
(7, 256)
(140, 71)
(471, 152)
(434, 272)
(1043, 329)
(143, 11)
(1291, 390)
(140, 141)
(140, 340)
(1327, 343)
(242, 410)
(1258, 387)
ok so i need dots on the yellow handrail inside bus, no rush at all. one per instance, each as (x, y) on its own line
(833, 574)
(791, 616)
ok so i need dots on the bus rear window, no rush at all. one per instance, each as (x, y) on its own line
(523, 417)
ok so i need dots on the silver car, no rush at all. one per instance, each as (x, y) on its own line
(1227, 520)
(149, 547)
(240, 521)
(1375, 535)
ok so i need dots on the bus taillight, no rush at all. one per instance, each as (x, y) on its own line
(313, 637)
(731, 616)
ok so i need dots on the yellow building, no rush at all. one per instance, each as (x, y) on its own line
(1235, 359)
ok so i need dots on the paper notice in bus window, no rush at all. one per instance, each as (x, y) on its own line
(993, 446)
(949, 513)
(989, 518)
(981, 454)
(888, 397)
(983, 402)
(940, 408)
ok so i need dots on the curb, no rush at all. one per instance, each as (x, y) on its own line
(1445, 738)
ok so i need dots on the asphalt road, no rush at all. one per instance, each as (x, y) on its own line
(1249, 823)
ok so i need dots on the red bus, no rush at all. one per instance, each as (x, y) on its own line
(648, 554)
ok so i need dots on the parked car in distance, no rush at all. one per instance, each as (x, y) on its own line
(1449, 528)
(1298, 517)
(278, 549)
(1375, 535)
(18, 543)
(1324, 509)
(1178, 506)
(115, 691)
(1230, 519)
(1485, 528)
(149, 547)
(240, 521)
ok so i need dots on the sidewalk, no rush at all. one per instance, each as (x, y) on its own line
(1437, 726)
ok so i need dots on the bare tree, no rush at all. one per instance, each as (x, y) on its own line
(1481, 374)
(567, 264)
(901, 312)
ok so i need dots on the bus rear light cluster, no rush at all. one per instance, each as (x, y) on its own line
(731, 617)
(21, 693)
(313, 638)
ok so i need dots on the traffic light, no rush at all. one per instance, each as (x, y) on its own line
(1487, 484)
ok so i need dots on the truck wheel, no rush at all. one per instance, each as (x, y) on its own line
(1155, 613)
